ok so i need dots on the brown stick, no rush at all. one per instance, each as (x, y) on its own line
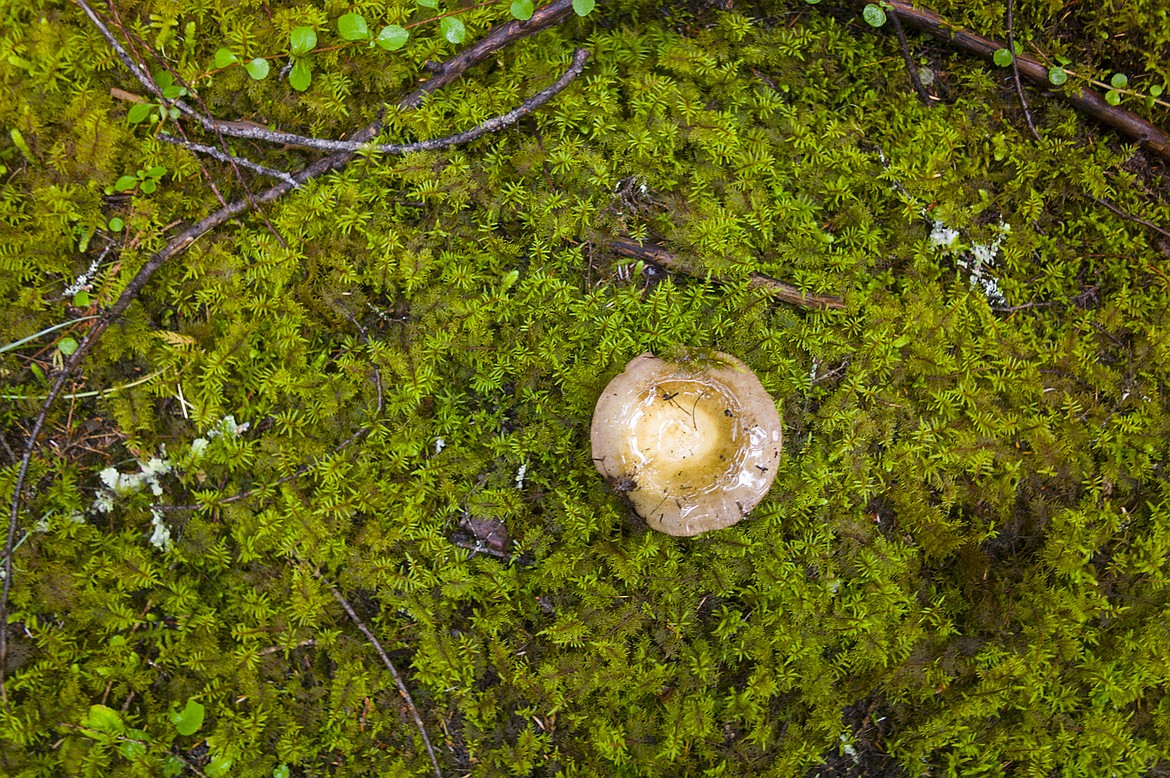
(786, 292)
(1126, 122)
(418, 722)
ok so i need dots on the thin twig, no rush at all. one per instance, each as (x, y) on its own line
(911, 68)
(1126, 215)
(1016, 72)
(361, 625)
(786, 292)
(1126, 122)
(215, 153)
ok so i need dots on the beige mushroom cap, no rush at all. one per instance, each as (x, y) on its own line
(692, 444)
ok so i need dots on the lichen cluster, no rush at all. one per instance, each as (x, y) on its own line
(962, 566)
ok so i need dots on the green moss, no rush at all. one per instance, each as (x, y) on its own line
(967, 538)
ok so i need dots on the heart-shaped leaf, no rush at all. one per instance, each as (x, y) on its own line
(224, 57)
(352, 27)
(392, 37)
(302, 40)
(257, 68)
(189, 719)
(453, 29)
(521, 9)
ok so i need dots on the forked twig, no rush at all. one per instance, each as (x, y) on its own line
(361, 625)
(215, 153)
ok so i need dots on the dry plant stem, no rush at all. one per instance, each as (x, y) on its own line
(1129, 124)
(389, 666)
(663, 258)
(215, 153)
(1129, 216)
(915, 79)
(1016, 71)
(181, 243)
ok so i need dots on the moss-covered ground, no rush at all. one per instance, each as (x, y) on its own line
(962, 566)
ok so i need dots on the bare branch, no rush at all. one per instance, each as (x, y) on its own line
(215, 153)
(422, 730)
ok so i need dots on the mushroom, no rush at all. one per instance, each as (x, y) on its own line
(692, 444)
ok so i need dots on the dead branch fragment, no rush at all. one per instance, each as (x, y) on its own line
(663, 258)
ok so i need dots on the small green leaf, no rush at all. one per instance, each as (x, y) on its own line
(171, 92)
(125, 184)
(302, 40)
(138, 112)
(1156, 90)
(1112, 97)
(1002, 57)
(99, 717)
(224, 58)
(116, 224)
(132, 750)
(1119, 81)
(874, 15)
(148, 186)
(257, 69)
(172, 766)
(173, 112)
(190, 719)
(392, 37)
(454, 31)
(158, 171)
(1063, 60)
(68, 346)
(281, 771)
(352, 27)
(81, 299)
(521, 9)
(218, 767)
(163, 78)
(19, 142)
(1057, 76)
(300, 76)
(429, 4)
(584, 7)
(1018, 48)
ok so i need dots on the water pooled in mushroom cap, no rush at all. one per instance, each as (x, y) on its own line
(694, 446)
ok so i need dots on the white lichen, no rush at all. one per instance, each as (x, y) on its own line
(149, 475)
